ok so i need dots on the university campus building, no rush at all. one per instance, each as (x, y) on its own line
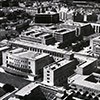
(24, 62)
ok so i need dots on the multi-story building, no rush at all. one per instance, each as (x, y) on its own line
(49, 17)
(56, 74)
(89, 84)
(64, 35)
(86, 64)
(39, 37)
(37, 47)
(64, 31)
(22, 62)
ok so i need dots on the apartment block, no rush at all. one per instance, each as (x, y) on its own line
(56, 74)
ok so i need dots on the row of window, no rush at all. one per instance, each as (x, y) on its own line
(18, 65)
(50, 52)
(17, 60)
(24, 66)
(97, 28)
(14, 68)
(20, 69)
(48, 76)
(58, 54)
(90, 90)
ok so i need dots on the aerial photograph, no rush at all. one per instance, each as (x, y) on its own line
(49, 49)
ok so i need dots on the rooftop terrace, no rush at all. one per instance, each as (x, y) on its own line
(56, 65)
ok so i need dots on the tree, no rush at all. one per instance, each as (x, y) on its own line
(8, 88)
(96, 98)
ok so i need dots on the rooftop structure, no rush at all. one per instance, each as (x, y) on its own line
(71, 29)
(62, 32)
(57, 65)
(87, 83)
(37, 47)
(37, 36)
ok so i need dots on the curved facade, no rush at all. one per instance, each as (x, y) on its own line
(25, 62)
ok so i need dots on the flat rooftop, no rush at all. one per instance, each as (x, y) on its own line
(38, 46)
(56, 65)
(86, 60)
(36, 34)
(80, 80)
(69, 26)
(29, 31)
(63, 30)
(27, 89)
(20, 52)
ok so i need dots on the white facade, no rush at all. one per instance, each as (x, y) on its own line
(81, 82)
(65, 14)
(96, 27)
(27, 62)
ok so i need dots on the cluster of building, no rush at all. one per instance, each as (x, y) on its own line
(55, 73)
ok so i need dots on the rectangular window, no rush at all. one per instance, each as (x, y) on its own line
(48, 71)
(28, 62)
(48, 74)
(48, 81)
(48, 78)
(6, 57)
